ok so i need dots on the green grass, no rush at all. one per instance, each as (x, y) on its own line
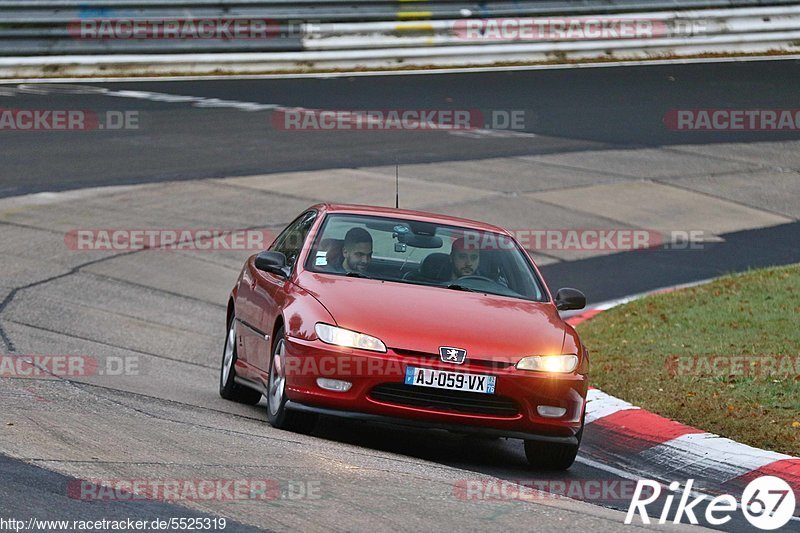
(635, 350)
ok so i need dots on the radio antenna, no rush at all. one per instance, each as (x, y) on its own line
(397, 186)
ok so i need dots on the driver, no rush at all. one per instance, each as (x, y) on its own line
(356, 251)
(464, 260)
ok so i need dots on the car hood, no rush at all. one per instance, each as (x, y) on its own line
(421, 319)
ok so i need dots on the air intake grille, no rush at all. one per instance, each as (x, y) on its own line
(445, 400)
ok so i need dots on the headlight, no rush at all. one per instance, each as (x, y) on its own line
(350, 339)
(561, 364)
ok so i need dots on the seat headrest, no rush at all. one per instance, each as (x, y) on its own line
(333, 250)
(436, 266)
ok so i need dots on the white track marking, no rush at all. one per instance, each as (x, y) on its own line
(709, 456)
(599, 405)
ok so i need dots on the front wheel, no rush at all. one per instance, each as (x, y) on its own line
(228, 388)
(552, 456)
(277, 414)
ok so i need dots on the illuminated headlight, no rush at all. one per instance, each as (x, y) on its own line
(350, 339)
(561, 364)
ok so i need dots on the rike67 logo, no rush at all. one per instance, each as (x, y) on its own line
(768, 503)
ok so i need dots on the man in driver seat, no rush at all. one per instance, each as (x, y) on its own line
(354, 254)
(464, 260)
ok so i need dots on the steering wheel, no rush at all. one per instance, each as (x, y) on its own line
(473, 276)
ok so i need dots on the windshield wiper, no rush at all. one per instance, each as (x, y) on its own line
(457, 287)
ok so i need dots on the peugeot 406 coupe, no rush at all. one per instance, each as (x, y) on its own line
(409, 318)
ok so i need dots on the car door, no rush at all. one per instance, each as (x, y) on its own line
(248, 315)
(269, 292)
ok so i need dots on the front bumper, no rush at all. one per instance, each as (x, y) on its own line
(410, 422)
(308, 360)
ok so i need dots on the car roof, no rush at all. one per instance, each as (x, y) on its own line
(391, 212)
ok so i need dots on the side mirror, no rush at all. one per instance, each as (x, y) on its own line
(272, 262)
(569, 299)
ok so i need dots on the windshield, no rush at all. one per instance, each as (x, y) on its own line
(424, 253)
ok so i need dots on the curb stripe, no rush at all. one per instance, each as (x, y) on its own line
(789, 469)
(709, 456)
(640, 441)
(786, 469)
(600, 405)
(636, 430)
(577, 319)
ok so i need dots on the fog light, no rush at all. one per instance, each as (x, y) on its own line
(336, 385)
(550, 412)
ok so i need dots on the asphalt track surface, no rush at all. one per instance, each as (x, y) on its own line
(30, 491)
(607, 108)
(569, 110)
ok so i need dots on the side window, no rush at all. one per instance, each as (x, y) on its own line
(290, 242)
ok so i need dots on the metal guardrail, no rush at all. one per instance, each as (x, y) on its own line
(662, 25)
(45, 38)
(44, 27)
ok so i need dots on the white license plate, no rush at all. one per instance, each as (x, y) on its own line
(443, 379)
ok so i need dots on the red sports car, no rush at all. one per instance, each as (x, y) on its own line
(409, 318)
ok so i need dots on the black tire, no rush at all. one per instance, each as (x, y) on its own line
(228, 388)
(550, 455)
(277, 414)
